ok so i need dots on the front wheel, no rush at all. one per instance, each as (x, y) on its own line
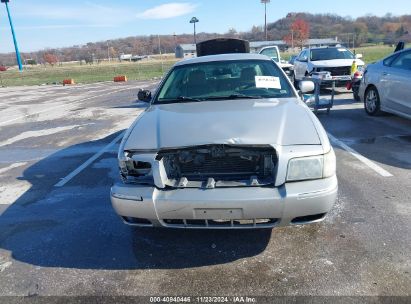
(372, 103)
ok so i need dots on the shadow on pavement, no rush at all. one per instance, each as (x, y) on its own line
(76, 227)
(171, 249)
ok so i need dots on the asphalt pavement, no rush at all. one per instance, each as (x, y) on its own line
(59, 235)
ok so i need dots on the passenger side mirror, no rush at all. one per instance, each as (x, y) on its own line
(306, 86)
(304, 59)
(144, 95)
(358, 56)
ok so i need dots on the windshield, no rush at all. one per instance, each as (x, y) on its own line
(330, 54)
(271, 52)
(221, 80)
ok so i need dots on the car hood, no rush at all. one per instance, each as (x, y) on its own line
(244, 122)
(336, 63)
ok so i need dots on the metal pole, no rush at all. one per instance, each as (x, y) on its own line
(161, 55)
(108, 52)
(265, 18)
(195, 38)
(14, 39)
(194, 20)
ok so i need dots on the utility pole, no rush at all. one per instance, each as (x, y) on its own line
(161, 55)
(175, 42)
(108, 52)
(265, 17)
(194, 20)
(14, 36)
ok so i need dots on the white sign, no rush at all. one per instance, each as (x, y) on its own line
(268, 82)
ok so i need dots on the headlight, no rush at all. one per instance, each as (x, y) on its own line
(134, 171)
(313, 167)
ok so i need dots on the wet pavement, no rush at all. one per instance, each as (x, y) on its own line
(68, 241)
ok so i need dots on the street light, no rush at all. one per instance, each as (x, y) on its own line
(194, 20)
(14, 36)
(265, 17)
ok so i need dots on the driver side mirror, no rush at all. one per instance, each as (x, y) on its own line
(144, 95)
(358, 56)
(306, 86)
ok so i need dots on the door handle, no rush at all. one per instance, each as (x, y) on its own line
(385, 74)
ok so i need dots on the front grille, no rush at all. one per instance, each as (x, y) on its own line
(252, 223)
(221, 167)
(216, 164)
(338, 71)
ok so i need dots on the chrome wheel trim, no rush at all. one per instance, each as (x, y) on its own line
(371, 101)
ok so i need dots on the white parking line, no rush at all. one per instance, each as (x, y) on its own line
(63, 105)
(38, 133)
(88, 162)
(381, 171)
(12, 166)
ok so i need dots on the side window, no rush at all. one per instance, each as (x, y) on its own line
(389, 60)
(403, 61)
(301, 56)
(270, 52)
(304, 55)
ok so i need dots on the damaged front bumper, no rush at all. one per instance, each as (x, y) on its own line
(224, 208)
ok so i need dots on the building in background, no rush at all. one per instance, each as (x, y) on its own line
(256, 46)
(186, 51)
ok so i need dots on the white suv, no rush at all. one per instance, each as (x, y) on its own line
(336, 60)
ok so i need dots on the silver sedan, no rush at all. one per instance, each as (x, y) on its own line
(386, 85)
(226, 142)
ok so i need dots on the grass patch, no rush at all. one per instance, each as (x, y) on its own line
(143, 70)
(85, 73)
(374, 53)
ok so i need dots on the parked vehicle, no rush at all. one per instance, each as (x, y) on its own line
(386, 85)
(274, 53)
(226, 142)
(292, 59)
(336, 60)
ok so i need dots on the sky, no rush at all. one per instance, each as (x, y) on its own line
(51, 23)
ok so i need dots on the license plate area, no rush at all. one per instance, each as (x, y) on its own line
(218, 214)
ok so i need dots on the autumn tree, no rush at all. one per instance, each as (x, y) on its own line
(50, 58)
(299, 33)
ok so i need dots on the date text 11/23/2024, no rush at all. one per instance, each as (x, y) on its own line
(223, 299)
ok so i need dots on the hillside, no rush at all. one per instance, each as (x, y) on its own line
(367, 29)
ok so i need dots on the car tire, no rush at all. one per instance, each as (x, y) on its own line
(372, 104)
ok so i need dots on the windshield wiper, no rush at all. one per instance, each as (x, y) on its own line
(185, 98)
(233, 96)
(179, 99)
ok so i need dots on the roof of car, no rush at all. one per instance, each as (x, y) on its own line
(396, 53)
(223, 57)
(405, 50)
(326, 47)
